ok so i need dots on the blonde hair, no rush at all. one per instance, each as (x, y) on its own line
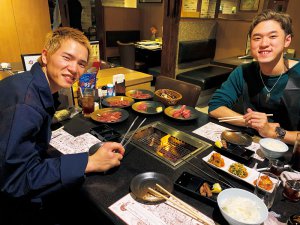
(55, 38)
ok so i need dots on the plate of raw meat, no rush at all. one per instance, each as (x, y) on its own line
(139, 94)
(118, 102)
(109, 115)
(182, 112)
(148, 107)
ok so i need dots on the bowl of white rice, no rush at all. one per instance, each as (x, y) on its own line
(241, 207)
(273, 148)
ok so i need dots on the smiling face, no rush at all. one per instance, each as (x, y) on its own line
(65, 65)
(268, 41)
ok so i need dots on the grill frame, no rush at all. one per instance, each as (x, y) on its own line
(191, 143)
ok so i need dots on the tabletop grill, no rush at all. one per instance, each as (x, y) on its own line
(167, 144)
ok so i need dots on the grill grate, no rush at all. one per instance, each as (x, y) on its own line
(173, 150)
(167, 144)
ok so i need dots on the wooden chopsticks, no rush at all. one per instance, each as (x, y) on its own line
(180, 205)
(232, 118)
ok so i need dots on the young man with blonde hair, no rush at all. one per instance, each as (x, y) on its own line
(27, 173)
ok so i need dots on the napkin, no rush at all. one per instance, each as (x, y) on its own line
(272, 219)
(284, 176)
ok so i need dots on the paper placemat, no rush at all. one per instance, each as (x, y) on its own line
(135, 213)
(213, 132)
(68, 144)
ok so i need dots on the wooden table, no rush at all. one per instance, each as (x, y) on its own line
(133, 79)
(15, 66)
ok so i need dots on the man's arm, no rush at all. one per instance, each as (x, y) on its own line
(259, 122)
(226, 97)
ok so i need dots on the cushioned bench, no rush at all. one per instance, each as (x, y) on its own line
(195, 57)
(206, 77)
(193, 51)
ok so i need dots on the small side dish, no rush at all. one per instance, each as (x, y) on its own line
(217, 160)
(265, 183)
(207, 191)
(238, 169)
(235, 169)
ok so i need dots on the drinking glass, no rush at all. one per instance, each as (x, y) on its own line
(291, 190)
(87, 101)
(276, 166)
(264, 193)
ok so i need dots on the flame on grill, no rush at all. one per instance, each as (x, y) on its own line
(165, 140)
(168, 147)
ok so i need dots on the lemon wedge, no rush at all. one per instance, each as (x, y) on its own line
(218, 144)
(216, 188)
(159, 109)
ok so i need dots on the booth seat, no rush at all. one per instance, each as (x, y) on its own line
(194, 67)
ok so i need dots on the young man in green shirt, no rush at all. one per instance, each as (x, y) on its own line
(269, 85)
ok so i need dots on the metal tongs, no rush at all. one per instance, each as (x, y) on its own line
(128, 141)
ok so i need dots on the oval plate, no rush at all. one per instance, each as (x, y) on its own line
(150, 107)
(194, 112)
(108, 101)
(132, 93)
(140, 183)
(237, 138)
(95, 117)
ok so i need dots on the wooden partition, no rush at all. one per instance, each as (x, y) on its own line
(23, 26)
(120, 19)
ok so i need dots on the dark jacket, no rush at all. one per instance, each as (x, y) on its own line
(26, 111)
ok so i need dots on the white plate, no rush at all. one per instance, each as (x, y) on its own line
(252, 174)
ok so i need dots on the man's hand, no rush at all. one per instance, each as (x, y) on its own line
(106, 157)
(259, 121)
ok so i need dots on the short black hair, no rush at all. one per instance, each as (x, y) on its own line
(283, 19)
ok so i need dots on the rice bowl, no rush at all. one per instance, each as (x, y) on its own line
(273, 148)
(235, 203)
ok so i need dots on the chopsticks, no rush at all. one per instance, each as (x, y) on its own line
(233, 118)
(180, 205)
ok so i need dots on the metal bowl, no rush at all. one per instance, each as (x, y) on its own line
(237, 138)
(139, 186)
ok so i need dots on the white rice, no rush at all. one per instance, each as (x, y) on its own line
(274, 146)
(242, 209)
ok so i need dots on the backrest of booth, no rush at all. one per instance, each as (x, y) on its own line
(196, 50)
(196, 43)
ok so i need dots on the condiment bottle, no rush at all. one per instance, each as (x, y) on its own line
(110, 90)
(104, 91)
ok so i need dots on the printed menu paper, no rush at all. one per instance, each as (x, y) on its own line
(135, 213)
(68, 144)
